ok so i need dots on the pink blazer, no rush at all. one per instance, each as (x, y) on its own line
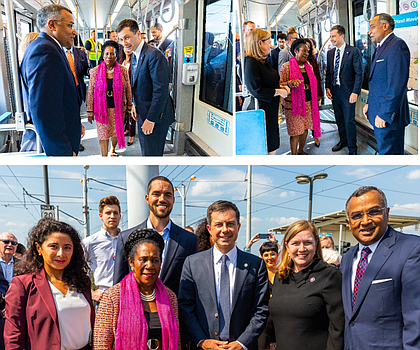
(31, 320)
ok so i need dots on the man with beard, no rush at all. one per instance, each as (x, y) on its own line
(179, 243)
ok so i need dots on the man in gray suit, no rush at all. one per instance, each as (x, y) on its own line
(285, 55)
(223, 294)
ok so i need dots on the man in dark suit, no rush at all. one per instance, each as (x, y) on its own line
(157, 38)
(49, 88)
(380, 278)
(223, 294)
(179, 243)
(150, 87)
(342, 85)
(387, 106)
(274, 53)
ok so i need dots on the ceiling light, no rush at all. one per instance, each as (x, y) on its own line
(287, 7)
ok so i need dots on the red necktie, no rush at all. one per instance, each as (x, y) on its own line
(72, 66)
(361, 268)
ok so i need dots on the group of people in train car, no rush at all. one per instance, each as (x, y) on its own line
(154, 289)
(290, 73)
(131, 83)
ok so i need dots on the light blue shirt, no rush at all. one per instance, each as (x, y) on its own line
(8, 268)
(165, 235)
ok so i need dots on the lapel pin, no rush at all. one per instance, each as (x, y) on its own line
(312, 279)
(246, 265)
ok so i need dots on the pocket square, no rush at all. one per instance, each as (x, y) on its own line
(380, 60)
(381, 281)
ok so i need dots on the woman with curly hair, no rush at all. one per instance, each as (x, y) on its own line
(205, 241)
(139, 312)
(48, 304)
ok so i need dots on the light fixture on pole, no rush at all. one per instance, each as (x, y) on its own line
(305, 179)
(183, 193)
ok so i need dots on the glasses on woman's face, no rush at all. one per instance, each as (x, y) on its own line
(372, 213)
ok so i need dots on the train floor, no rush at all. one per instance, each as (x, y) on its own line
(327, 141)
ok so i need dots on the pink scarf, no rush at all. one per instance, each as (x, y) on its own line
(132, 326)
(100, 105)
(298, 94)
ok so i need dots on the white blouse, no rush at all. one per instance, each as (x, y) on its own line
(73, 312)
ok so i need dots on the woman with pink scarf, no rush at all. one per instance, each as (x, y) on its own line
(139, 313)
(109, 97)
(301, 105)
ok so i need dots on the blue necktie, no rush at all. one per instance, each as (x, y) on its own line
(224, 301)
(361, 268)
(133, 66)
(336, 65)
(376, 52)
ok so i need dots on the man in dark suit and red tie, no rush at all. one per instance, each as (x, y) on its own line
(380, 278)
(387, 106)
(342, 85)
(223, 294)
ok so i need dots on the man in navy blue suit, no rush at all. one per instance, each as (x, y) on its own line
(380, 278)
(179, 243)
(150, 86)
(274, 53)
(387, 106)
(223, 294)
(49, 88)
(342, 85)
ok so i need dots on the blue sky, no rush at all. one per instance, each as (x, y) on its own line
(277, 198)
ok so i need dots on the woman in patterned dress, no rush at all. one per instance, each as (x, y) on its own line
(139, 312)
(301, 105)
(109, 97)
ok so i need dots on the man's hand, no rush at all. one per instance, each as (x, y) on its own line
(353, 98)
(232, 346)
(328, 92)
(380, 123)
(83, 130)
(134, 113)
(211, 344)
(147, 127)
(97, 295)
(365, 110)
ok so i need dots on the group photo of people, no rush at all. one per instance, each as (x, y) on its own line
(157, 285)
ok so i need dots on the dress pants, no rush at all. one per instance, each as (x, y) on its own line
(345, 117)
(153, 144)
(390, 140)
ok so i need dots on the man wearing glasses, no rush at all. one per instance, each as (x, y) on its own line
(8, 245)
(381, 285)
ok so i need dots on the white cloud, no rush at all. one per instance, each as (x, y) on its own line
(360, 172)
(286, 194)
(283, 220)
(66, 174)
(16, 224)
(406, 207)
(415, 174)
(283, 194)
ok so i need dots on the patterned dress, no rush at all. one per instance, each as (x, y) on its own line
(105, 331)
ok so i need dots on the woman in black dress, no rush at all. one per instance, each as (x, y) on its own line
(306, 304)
(263, 82)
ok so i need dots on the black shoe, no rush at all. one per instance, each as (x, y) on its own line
(353, 153)
(130, 143)
(338, 147)
(317, 144)
(81, 148)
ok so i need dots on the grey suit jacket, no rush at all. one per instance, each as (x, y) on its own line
(386, 313)
(197, 299)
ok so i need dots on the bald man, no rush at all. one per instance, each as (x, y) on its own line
(8, 245)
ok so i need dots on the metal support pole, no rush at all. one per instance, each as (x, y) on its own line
(46, 186)
(248, 205)
(11, 34)
(85, 203)
(57, 213)
(311, 189)
(96, 33)
(182, 194)
(339, 240)
(268, 20)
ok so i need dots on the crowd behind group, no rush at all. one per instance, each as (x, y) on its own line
(159, 286)
(130, 84)
(290, 73)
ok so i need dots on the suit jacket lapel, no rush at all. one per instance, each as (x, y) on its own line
(344, 58)
(45, 294)
(241, 271)
(173, 243)
(140, 62)
(207, 267)
(381, 255)
(347, 287)
(380, 51)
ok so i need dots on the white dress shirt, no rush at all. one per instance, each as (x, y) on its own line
(165, 235)
(342, 49)
(100, 249)
(357, 258)
(383, 40)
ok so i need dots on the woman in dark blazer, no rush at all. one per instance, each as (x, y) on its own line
(306, 304)
(49, 305)
(263, 82)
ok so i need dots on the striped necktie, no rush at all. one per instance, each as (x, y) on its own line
(361, 268)
(224, 301)
(133, 67)
(72, 66)
(336, 65)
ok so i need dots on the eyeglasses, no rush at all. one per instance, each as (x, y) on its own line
(7, 241)
(372, 213)
(325, 234)
(68, 24)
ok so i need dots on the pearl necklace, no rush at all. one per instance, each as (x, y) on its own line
(148, 298)
(110, 71)
(301, 66)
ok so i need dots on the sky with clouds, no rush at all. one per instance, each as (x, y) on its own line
(277, 199)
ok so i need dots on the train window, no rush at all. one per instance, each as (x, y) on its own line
(216, 71)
